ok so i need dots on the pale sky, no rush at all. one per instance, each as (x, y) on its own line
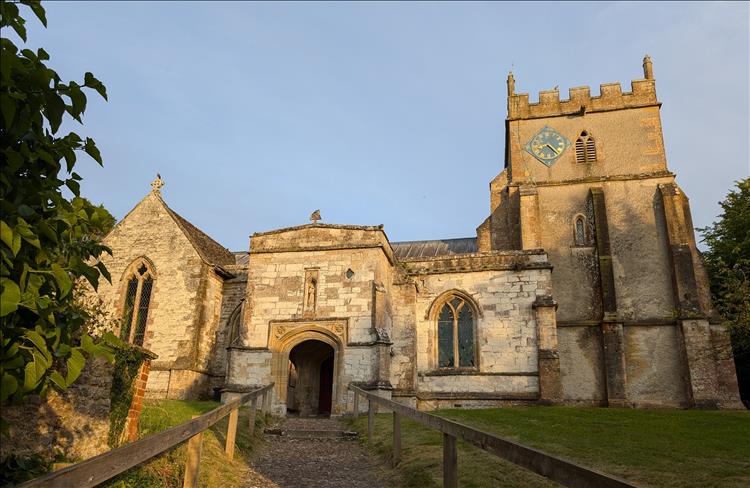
(256, 114)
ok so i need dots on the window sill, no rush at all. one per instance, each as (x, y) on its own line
(473, 372)
(450, 372)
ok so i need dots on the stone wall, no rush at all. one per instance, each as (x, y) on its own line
(314, 283)
(506, 328)
(582, 364)
(183, 325)
(76, 422)
(233, 294)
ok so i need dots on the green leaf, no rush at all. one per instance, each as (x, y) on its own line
(62, 279)
(58, 379)
(74, 186)
(38, 10)
(25, 211)
(10, 297)
(75, 364)
(19, 28)
(16, 362)
(90, 81)
(77, 99)
(40, 344)
(8, 108)
(8, 386)
(33, 373)
(104, 271)
(54, 108)
(92, 150)
(6, 235)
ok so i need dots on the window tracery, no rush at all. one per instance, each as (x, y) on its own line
(138, 291)
(456, 330)
(580, 231)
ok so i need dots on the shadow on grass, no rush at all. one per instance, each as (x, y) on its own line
(665, 448)
(167, 469)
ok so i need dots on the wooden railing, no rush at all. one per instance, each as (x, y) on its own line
(105, 466)
(557, 469)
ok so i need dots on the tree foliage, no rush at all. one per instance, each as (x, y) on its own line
(48, 242)
(728, 263)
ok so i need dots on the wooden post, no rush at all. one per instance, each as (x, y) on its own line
(356, 405)
(396, 439)
(251, 421)
(450, 462)
(370, 420)
(231, 433)
(193, 461)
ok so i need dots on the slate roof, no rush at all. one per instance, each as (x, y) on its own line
(211, 251)
(241, 258)
(439, 247)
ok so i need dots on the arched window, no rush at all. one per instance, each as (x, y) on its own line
(456, 334)
(140, 284)
(585, 148)
(235, 322)
(580, 232)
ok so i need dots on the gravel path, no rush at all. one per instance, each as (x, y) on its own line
(314, 463)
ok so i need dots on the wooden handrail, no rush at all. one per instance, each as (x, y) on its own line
(565, 472)
(105, 466)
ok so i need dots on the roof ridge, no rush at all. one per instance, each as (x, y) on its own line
(437, 240)
(211, 251)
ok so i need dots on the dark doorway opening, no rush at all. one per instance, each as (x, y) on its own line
(326, 386)
(310, 380)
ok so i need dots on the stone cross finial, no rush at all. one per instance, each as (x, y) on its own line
(157, 184)
(648, 68)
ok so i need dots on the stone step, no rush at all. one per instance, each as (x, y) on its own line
(311, 434)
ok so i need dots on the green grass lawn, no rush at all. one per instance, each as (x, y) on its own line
(167, 469)
(667, 448)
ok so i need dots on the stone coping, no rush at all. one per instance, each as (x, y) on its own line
(322, 226)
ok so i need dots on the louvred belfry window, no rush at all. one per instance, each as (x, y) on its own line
(585, 148)
(140, 284)
(456, 335)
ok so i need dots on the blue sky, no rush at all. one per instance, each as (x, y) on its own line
(256, 114)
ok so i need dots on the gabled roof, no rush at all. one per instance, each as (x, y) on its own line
(211, 251)
(439, 247)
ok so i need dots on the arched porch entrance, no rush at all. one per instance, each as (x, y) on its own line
(306, 366)
(310, 379)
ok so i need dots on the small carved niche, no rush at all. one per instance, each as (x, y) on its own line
(311, 292)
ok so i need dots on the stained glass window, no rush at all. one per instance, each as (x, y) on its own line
(456, 335)
(136, 305)
(445, 337)
(127, 318)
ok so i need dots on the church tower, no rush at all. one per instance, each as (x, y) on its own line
(586, 179)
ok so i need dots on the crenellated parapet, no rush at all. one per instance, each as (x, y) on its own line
(580, 101)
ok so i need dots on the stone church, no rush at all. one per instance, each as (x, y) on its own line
(583, 285)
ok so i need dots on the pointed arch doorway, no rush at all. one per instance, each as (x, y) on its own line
(310, 379)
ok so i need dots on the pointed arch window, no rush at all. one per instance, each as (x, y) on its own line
(580, 231)
(138, 290)
(585, 148)
(455, 324)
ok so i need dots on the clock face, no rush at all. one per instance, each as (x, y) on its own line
(547, 145)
